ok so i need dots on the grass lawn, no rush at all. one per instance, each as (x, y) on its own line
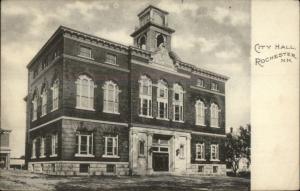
(23, 180)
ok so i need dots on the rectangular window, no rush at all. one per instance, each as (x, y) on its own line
(55, 95)
(178, 103)
(214, 86)
(200, 83)
(200, 151)
(85, 52)
(54, 145)
(84, 142)
(110, 168)
(214, 152)
(111, 147)
(44, 102)
(215, 169)
(84, 168)
(34, 108)
(111, 59)
(85, 93)
(176, 96)
(141, 148)
(42, 147)
(200, 168)
(146, 107)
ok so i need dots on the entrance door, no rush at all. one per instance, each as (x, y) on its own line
(160, 161)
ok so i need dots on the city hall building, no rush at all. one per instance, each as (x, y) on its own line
(97, 107)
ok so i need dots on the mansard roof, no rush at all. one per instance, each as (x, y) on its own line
(134, 50)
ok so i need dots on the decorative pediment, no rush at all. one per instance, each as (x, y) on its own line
(161, 58)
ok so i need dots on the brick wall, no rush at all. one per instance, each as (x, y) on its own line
(207, 140)
(69, 148)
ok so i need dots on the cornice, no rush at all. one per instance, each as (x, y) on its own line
(93, 39)
(199, 71)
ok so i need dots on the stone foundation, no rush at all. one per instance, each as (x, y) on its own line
(68, 168)
(207, 169)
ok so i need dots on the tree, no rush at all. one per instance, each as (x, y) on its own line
(237, 147)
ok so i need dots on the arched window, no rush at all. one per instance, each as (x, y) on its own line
(111, 97)
(44, 101)
(214, 115)
(145, 96)
(160, 40)
(162, 99)
(177, 103)
(200, 113)
(55, 91)
(142, 42)
(85, 93)
(34, 106)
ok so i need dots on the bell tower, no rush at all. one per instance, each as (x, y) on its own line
(153, 31)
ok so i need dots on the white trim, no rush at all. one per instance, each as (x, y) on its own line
(117, 113)
(151, 128)
(39, 126)
(160, 69)
(146, 116)
(54, 155)
(205, 90)
(85, 108)
(94, 120)
(83, 155)
(110, 156)
(79, 119)
(90, 162)
(208, 134)
(115, 143)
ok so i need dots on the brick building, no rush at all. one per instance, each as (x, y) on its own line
(4, 148)
(99, 107)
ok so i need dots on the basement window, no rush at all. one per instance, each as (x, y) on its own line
(215, 169)
(84, 168)
(111, 168)
(201, 168)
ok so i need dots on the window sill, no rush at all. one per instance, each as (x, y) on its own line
(90, 58)
(165, 119)
(116, 113)
(111, 156)
(179, 121)
(82, 155)
(33, 120)
(202, 125)
(145, 116)
(54, 155)
(214, 127)
(43, 156)
(43, 115)
(54, 109)
(33, 158)
(214, 90)
(114, 64)
(85, 108)
(200, 160)
(215, 160)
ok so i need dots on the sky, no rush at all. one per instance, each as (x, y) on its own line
(213, 35)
